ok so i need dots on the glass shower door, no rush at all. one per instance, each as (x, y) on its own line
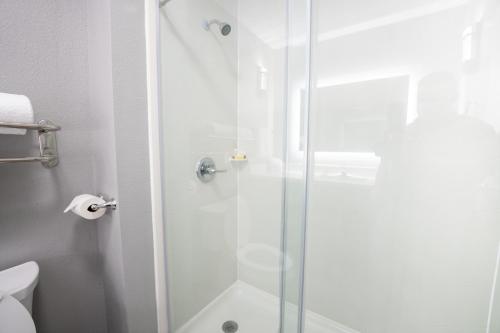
(403, 224)
(226, 69)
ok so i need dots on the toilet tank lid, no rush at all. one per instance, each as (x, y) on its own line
(19, 281)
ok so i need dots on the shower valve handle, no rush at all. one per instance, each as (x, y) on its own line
(206, 170)
(211, 171)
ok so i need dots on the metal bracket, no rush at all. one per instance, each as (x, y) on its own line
(48, 146)
(111, 203)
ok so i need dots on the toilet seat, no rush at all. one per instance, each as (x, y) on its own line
(14, 318)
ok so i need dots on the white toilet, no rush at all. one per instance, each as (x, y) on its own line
(16, 298)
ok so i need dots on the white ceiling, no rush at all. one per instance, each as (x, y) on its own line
(336, 14)
(267, 19)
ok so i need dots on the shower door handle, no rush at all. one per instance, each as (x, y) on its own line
(206, 170)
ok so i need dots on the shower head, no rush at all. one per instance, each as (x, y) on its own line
(224, 28)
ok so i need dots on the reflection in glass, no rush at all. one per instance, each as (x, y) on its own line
(403, 224)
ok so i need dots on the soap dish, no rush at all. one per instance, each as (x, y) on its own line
(239, 158)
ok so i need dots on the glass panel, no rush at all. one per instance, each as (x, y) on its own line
(199, 120)
(295, 187)
(403, 219)
(199, 103)
(223, 86)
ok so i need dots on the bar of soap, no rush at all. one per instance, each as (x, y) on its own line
(239, 157)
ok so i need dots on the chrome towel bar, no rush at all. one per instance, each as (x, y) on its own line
(44, 126)
(46, 139)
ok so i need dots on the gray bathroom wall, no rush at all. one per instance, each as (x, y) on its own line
(44, 56)
(83, 65)
(103, 139)
(118, 97)
(130, 106)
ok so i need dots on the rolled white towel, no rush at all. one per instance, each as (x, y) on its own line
(15, 109)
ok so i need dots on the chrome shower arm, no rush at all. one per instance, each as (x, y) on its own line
(163, 2)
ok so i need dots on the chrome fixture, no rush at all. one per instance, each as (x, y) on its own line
(163, 2)
(108, 204)
(206, 170)
(46, 140)
(224, 28)
(230, 326)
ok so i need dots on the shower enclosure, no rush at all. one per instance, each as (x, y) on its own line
(331, 166)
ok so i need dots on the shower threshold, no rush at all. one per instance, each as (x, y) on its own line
(253, 310)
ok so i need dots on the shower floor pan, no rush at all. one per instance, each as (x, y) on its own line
(254, 311)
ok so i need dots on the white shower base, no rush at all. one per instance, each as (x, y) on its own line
(255, 311)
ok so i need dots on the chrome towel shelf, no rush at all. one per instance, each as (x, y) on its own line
(46, 139)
